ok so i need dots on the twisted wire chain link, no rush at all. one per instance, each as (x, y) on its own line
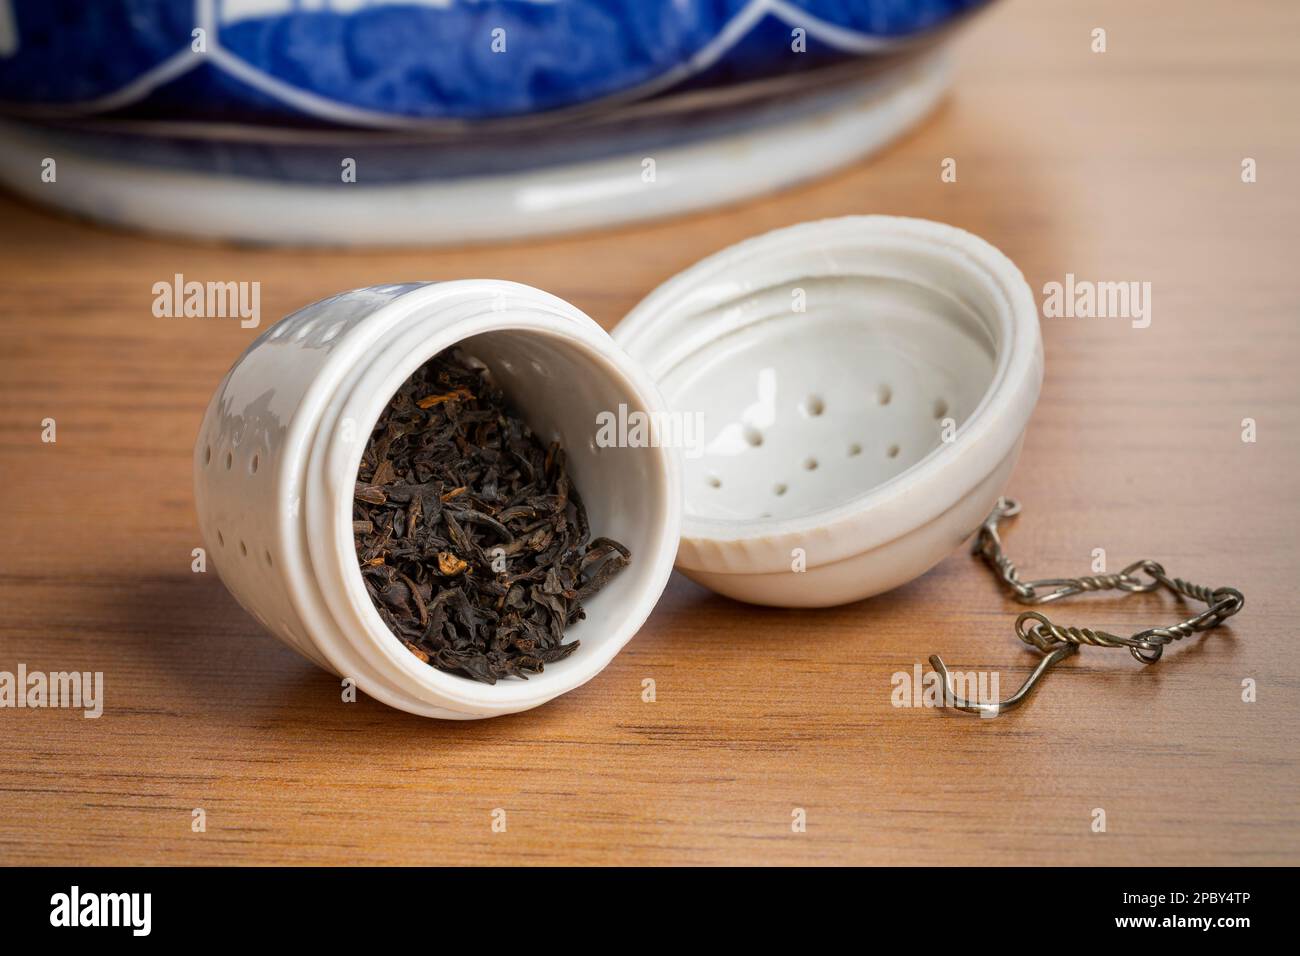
(1146, 646)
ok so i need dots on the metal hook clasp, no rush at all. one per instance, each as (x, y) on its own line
(1050, 659)
(1056, 642)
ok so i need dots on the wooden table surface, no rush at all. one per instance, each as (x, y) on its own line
(1114, 167)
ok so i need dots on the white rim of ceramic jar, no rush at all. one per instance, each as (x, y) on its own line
(916, 495)
(356, 384)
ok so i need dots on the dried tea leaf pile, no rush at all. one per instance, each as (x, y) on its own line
(472, 541)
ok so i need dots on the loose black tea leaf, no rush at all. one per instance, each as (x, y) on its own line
(472, 541)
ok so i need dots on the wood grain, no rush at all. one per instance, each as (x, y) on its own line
(1115, 166)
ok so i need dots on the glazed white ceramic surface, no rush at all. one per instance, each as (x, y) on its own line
(865, 384)
(277, 455)
(580, 195)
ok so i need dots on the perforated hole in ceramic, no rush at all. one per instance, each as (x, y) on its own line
(863, 386)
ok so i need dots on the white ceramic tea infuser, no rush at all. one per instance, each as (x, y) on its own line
(865, 383)
(862, 386)
(277, 456)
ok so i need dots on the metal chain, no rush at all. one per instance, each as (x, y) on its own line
(1056, 641)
